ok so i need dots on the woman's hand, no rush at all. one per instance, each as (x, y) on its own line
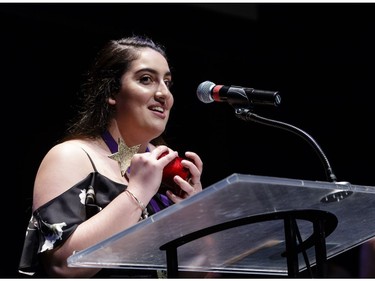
(193, 185)
(146, 170)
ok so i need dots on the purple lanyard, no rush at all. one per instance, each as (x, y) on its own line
(113, 147)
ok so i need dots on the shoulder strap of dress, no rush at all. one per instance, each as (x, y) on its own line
(92, 162)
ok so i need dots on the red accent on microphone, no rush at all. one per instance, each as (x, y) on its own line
(215, 92)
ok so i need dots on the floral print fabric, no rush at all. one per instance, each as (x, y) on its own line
(54, 222)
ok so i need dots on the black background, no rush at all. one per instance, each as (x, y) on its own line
(319, 56)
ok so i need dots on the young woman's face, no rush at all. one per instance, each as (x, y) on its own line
(144, 101)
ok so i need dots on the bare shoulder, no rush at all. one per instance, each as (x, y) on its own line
(63, 166)
(66, 155)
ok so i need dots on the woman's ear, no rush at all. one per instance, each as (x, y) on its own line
(111, 101)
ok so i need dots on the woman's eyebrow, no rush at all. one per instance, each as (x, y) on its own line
(152, 70)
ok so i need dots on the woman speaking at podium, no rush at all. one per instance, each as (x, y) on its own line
(105, 175)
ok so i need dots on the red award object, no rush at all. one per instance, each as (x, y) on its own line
(172, 169)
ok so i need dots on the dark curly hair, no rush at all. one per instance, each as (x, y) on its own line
(103, 80)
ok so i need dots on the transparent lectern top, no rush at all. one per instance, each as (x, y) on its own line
(253, 248)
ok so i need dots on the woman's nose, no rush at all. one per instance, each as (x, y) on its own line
(163, 91)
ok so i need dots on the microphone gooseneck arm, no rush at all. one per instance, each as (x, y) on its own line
(247, 115)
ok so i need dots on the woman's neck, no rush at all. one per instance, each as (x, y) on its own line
(115, 133)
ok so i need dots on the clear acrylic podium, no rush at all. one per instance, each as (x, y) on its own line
(245, 224)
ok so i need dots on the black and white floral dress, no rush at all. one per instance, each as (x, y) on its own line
(52, 224)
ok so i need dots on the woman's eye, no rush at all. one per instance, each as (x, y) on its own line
(145, 80)
(168, 83)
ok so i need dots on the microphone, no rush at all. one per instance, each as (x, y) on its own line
(208, 92)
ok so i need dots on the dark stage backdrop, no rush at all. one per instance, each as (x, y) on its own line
(320, 57)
